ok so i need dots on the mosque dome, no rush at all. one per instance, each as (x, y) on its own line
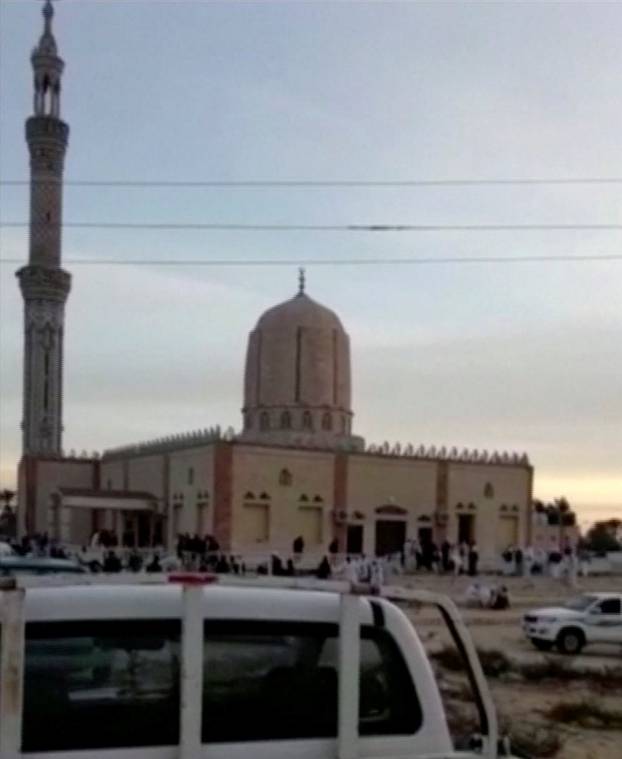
(297, 387)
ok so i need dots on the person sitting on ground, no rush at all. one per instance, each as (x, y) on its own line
(276, 565)
(154, 565)
(112, 563)
(222, 565)
(500, 599)
(472, 595)
(134, 562)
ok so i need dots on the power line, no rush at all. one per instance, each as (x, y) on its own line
(311, 183)
(233, 262)
(237, 227)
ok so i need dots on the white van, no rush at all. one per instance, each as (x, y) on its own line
(159, 671)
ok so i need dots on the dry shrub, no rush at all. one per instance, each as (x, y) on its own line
(609, 678)
(535, 742)
(587, 714)
(449, 658)
(494, 663)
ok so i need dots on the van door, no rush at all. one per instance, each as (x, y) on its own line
(605, 621)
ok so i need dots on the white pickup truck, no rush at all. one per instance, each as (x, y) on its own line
(221, 668)
(590, 618)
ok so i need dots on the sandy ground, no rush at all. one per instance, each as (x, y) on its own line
(522, 705)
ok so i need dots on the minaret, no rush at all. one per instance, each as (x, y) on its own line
(43, 283)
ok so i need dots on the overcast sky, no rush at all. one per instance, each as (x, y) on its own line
(516, 356)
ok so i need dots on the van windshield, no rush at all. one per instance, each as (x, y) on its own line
(580, 604)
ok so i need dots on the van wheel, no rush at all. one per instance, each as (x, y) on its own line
(570, 641)
(542, 645)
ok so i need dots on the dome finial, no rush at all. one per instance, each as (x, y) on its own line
(301, 281)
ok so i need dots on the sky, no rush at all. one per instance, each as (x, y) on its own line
(515, 356)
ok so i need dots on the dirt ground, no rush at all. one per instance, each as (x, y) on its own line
(522, 704)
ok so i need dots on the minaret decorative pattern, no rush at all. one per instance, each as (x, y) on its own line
(44, 284)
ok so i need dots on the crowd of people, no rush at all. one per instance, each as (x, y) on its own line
(565, 562)
(456, 558)
(204, 554)
(39, 545)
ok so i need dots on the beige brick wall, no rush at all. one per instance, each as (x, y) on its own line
(510, 488)
(146, 473)
(256, 470)
(112, 477)
(375, 481)
(191, 474)
(70, 474)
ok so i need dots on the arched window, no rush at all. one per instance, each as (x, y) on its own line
(344, 425)
(264, 420)
(285, 477)
(286, 420)
(307, 422)
(489, 491)
(327, 421)
(248, 420)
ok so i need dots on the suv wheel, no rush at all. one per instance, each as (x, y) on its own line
(542, 645)
(570, 641)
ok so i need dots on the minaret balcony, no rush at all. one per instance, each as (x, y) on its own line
(42, 283)
(47, 128)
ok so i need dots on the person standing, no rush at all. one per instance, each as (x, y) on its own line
(350, 571)
(456, 560)
(323, 570)
(473, 559)
(376, 579)
(298, 546)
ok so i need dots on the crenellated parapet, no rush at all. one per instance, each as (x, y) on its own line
(169, 443)
(442, 453)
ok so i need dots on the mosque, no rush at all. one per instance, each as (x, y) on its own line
(296, 468)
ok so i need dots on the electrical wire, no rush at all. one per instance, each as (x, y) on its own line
(233, 262)
(313, 183)
(237, 227)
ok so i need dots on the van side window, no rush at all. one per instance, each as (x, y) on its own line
(278, 680)
(101, 684)
(610, 606)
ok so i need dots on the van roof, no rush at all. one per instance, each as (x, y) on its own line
(165, 602)
(42, 562)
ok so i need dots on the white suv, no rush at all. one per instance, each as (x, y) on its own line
(150, 670)
(590, 618)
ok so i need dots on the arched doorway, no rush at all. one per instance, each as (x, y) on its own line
(390, 529)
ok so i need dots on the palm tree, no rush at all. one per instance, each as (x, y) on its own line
(7, 516)
(563, 507)
(7, 496)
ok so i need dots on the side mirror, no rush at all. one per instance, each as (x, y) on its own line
(596, 610)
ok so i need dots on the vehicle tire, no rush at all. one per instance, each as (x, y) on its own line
(542, 645)
(570, 641)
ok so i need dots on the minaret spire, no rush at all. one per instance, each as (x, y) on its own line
(48, 15)
(44, 284)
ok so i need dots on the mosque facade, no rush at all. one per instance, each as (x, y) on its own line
(296, 468)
